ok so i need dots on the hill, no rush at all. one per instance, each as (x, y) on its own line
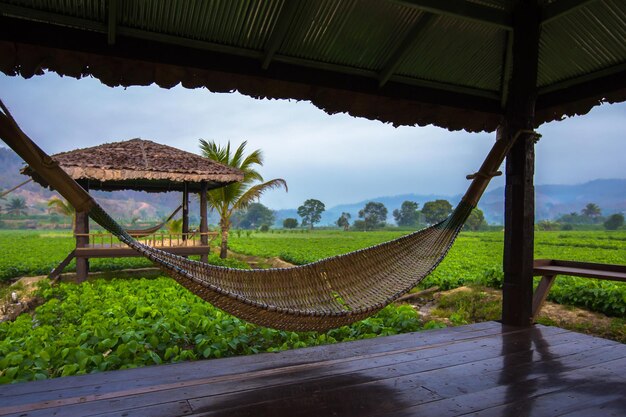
(552, 201)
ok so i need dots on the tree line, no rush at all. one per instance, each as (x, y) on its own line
(374, 216)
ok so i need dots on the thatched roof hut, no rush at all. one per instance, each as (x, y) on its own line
(143, 165)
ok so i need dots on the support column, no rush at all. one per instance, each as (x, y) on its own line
(519, 203)
(185, 210)
(204, 221)
(81, 227)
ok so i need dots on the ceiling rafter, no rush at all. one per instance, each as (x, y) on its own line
(285, 18)
(404, 48)
(112, 21)
(464, 10)
(561, 8)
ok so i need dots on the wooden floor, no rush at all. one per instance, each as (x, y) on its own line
(483, 369)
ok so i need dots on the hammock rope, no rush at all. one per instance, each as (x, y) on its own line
(318, 296)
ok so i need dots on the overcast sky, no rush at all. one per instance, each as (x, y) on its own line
(336, 159)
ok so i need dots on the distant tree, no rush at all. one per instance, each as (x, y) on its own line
(239, 195)
(547, 225)
(255, 215)
(408, 214)
(591, 211)
(614, 222)
(359, 225)
(290, 223)
(374, 215)
(17, 206)
(476, 220)
(344, 221)
(436, 211)
(573, 218)
(311, 212)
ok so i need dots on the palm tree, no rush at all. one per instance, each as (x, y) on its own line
(62, 207)
(17, 206)
(592, 211)
(239, 195)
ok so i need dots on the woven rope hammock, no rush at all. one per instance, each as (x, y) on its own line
(318, 296)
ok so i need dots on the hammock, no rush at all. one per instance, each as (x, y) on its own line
(153, 229)
(318, 296)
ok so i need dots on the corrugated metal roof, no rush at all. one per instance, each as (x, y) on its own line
(582, 42)
(472, 54)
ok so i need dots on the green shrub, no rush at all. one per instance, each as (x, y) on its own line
(117, 324)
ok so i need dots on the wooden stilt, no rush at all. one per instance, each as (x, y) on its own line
(204, 221)
(519, 191)
(81, 229)
(185, 211)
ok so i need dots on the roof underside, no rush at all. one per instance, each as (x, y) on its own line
(406, 62)
(141, 165)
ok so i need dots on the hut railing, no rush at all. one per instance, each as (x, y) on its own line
(159, 239)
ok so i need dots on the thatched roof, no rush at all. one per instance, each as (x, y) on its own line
(142, 165)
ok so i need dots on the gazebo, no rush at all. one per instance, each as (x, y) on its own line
(503, 66)
(140, 165)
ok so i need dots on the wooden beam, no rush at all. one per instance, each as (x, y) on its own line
(519, 192)
(583, 79)
(464, 10)
(54, 274)
(561, 8)
(204, 220)
(404, 48)
(185, 211)
(285, 17)
(81, 229)
(112, 22)
(507, 62)
(541, 293)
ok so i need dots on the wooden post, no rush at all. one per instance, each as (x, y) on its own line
(81, 227)
(204, 221)
(519, 203)
(185, 211)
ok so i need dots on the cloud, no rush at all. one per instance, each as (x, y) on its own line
(335, 158)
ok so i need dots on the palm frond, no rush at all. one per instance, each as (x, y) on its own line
(254, 192)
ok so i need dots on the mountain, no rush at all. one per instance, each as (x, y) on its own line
(552, 201)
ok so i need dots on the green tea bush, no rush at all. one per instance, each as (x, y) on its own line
(116, 324)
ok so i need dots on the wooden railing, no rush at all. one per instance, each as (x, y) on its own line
(159, 239)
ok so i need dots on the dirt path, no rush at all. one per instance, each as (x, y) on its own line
(257, 262)
(483, 302)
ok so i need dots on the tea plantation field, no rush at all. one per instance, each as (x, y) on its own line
(122, 323)
(475, 257)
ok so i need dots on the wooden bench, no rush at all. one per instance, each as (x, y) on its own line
(549, 269)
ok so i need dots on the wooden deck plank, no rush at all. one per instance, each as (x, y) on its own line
(480, 401)
(485, 369)
(227, 366)
(613, 408)
(459, 378)
(226, 383)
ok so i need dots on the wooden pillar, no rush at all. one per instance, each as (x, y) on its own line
(519, 203)
(204, 221)
(81, 227)
(185, 210)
